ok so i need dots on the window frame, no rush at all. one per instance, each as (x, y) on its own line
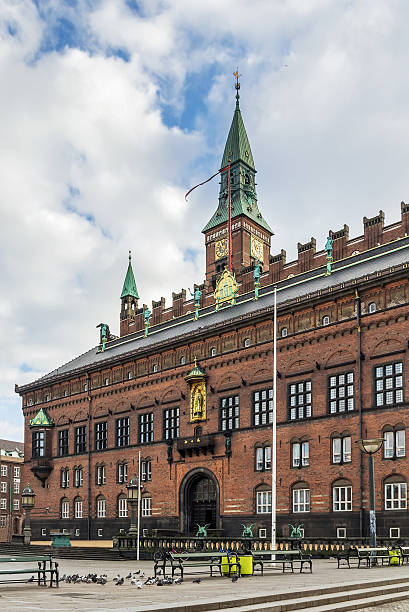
(122, 472)
(225, 404)
(262, 458)
(263, 501)
(303, 457)
(146, 470)
(343, 492)
(122, 432)
(171, 423)
(101, 503)
(146, 505)
(122, 505)
(305, 405)
(101, 435)
(385, 390)
(64, 478)
(394, 432)
(100, 476)
(300, 506)
(65, 508)
(80, 440)
(392, 499)
(342, 393)
(63, 444)
(38, 444)
(78, 476)
(343, 450)
(265, 405)
(146, 428)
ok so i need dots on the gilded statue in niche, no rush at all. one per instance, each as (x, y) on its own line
(198, 401)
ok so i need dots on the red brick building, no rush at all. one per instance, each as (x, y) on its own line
(204, 431)
(11, 465)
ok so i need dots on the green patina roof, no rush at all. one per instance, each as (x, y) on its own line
(41, 419)
(197, 372)
(129, 287)
(237, 144)
(243, 197)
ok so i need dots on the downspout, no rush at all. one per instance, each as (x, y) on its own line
(359, 359)
(89, 453)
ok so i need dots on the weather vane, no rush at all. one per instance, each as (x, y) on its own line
(237, 75)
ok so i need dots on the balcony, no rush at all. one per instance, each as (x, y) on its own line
(196, 445)
(42, 468)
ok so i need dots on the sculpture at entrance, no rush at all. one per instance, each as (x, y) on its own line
(296, 531)
(202, 531)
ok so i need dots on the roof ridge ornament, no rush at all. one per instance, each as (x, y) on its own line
(237, 87)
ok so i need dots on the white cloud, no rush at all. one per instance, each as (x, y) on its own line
(88, 168)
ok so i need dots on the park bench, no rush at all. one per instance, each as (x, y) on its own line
(404, 553)
(218, 561)
(283, 558)
(368, 557)
(40, 569)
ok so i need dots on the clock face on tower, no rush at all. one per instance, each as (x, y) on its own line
(256, 248)
(221, 249)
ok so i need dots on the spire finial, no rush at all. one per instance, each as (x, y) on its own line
(130, 257)
(237, 86)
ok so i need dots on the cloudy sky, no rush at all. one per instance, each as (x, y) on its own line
(111, 109)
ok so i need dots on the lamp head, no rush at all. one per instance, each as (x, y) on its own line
(370, 445)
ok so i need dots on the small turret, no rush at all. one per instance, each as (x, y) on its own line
(129, 298)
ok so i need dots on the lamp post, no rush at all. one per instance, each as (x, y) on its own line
(133, 489)
(27, 501)
(370, 447)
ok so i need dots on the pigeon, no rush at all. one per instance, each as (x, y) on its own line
(178, 580)
(137, 572)
(197, 580)
(31, 579)
(120, 582)
(150, 580)
(117, 577)
(139, 584)
(160, 583)
(235, 578)
(129, 575)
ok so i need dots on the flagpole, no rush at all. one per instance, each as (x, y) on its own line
(139, 506)
(274, 448)
(229, 222)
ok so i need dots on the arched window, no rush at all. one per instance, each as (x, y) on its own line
(65, 508)
(155, 367)
(246, 342)
(263, 499)
(78, 508)
(395, 493)
(372, 308)
(122, 506)
(213, 352)
(394, 441)
(133, 305)
(342, 496)
(101, 506)
(284, 332)
(325, 320)
(301, 497)
(182, 360)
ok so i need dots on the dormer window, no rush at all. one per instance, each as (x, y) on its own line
(65, 392)
(130, 375)
(106, 382)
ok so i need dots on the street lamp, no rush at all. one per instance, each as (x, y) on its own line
(370, 447)
(27, 501)
(133, 490)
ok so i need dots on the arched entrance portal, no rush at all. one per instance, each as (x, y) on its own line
(199, 501)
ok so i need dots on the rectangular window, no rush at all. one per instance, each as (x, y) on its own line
(341, 450)
(341, 499)
(3, 487)
(341, 533)
(300, 453)
(388, 381)
(263, 458)
(80, 439)
(65, 479)
(78, 509)
(16, 504)
(122, 473)
(101, 435)
(230, 413)
(300, 400)
(263, 407)
(16, 472)
(395, 496)
(38, 444)
(301, 500)
(263, 502)
(4, 470)
(171, 423)
(16, 487)
(78, 477)
(3, 503)
(146, 428)
(63, 442)
(341, 392)
(394, 444)
(122, 507)
(3, 521)
(122, 432)
(146, 506)
(146, 470)
(101, 508)
(101, 479)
